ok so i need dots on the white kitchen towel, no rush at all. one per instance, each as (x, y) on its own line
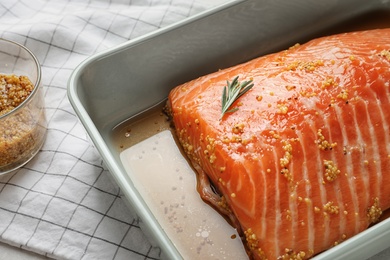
(62, 204)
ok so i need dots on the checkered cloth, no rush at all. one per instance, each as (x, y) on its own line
(63, 204)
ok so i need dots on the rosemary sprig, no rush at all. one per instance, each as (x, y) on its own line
(232, 92)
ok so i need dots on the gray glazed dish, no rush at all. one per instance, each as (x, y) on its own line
(122, 82)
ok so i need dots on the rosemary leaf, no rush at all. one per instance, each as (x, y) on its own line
(231, 92)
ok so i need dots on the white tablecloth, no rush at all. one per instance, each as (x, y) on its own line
(62, 204)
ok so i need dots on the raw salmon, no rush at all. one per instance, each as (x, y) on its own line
(302, 162)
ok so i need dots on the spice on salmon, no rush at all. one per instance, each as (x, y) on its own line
(328, 83)
(238, 128)
(331, 208)
(323, 144)
(251, 239)
(343, 94)
(374, 212)
(290, 87)
(385, 54)
(331, 171)
(223, 204)
(290, 254)
(303, 65)
(284, 163)
(282, 109)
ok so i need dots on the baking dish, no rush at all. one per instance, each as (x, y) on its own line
(119, 87)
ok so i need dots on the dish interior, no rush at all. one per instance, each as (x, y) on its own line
(160, 172)
(138, 138)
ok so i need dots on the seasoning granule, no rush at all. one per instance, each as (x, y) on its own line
(13, 91)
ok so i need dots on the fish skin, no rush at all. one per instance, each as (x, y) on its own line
(303, 163)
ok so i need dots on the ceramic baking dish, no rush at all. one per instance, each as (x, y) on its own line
(114, 88)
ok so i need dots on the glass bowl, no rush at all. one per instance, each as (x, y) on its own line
(22, 115)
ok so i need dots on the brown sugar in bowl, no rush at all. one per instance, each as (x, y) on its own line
(22, 116)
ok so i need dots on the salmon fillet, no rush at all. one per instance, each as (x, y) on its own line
(304, 162)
